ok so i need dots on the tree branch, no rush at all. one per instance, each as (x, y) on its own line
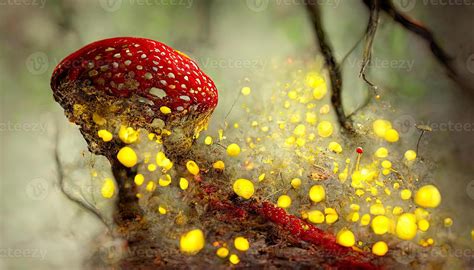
(333, 68)
(423, 32)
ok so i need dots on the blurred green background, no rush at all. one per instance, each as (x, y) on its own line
(231, 40)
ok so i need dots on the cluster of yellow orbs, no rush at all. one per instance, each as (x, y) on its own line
(364, 179)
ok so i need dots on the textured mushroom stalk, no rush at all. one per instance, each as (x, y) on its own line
(136, 82)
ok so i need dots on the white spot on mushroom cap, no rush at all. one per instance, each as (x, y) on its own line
(157, 92)
(185, 98)
(148, 76)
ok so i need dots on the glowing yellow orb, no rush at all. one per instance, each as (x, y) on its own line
(192, 242)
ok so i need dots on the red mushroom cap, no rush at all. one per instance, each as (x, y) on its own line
(127, 65)
(359, 150)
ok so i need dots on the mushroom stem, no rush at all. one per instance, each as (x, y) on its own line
(127, 208)
(419, 139)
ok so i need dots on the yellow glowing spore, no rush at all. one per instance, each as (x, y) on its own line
(222, 252)
(108, 188)
(241, 243)
(246, 91)
(325, 129)
(381, 152)
(391, 135)
(317, 193)
(208, 140)
(128, 135)
(127, 157)
(296, 183)
(380, 248)
(284, 201)
(233, 150)
(410, 155)
(234, 259)
(219, 165)
(428, 196)
(423, 225)
(380, 224)
(192, 242)
(335, 147)
(244, 188)
(405, 194)
(315, 216)
(381, 126)
(345, 238)
(165, 110)
(192, 167)
(406, 226)
(105, 135)
(183, 183)
(139, 179)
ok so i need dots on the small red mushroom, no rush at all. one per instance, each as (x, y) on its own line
(359, 152)
(137, 82)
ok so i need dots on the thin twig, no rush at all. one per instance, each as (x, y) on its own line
(418, 142)
(374, 7)
(423, 32)
(351, 50)
(333, 68)
(61, 176)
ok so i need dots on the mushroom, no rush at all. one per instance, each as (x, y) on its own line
(139, 83)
